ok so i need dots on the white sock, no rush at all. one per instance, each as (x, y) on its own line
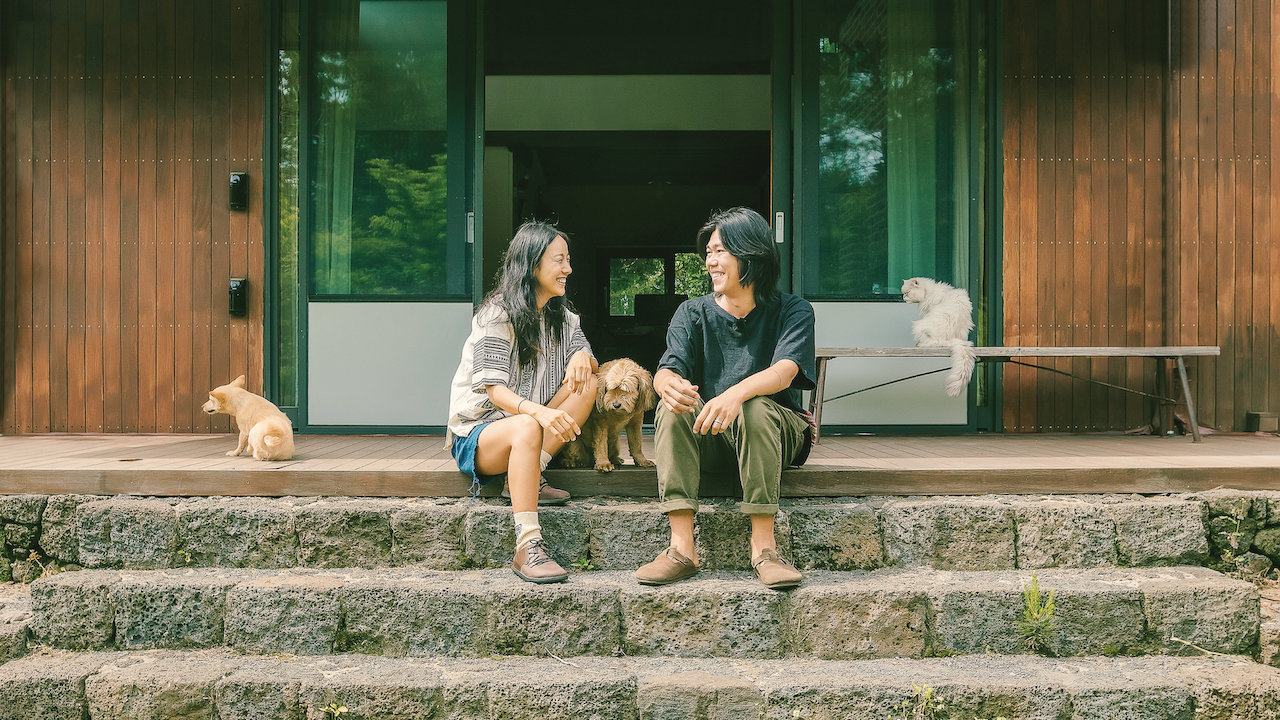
(545, 459)
(527, 528)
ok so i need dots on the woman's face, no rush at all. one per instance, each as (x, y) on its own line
(553, 270)
(722, 266)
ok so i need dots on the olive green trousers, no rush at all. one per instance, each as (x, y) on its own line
(757, 445)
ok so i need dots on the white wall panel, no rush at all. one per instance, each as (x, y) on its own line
(383, 363)
(921, 401)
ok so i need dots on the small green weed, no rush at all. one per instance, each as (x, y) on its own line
(583, 565)
(333, 710)
(925, 705)
(1037, 626)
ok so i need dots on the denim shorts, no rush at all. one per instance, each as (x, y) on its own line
(464, 453)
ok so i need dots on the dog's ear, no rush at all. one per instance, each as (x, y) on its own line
(240, 382)
(602, 387)
(648, 398)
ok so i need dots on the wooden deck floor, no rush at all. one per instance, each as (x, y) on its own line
(420, 465)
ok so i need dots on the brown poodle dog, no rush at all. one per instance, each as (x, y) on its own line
(624, 391)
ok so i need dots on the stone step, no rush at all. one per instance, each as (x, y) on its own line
(15, 616)
(833, 615)
(170, 684)
(978, 533)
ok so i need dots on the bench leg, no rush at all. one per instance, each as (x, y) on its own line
(1191, 404)
(815, 402)
(1162, 390)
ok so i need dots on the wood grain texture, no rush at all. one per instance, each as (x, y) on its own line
(1140, 202)
(125, 117)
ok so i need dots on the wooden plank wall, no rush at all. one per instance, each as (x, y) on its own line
(1138, 207)
(1083, 218)
(125, 118)
(1225, 200)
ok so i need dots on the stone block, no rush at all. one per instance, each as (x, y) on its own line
(22, 509)
(1269, 630)
(345, 533)
(47, 687)
(578, 618)
(585, 695)
(127, 533)
(624, 537)
(1235, 504)
(286, 613)
(1159, 531)
(1064, 533)
(717, 616)
(838, 620)
(429, 534)
(836, 537)
(949, 534)
(1101, 614)
(157, 687)
(1201, 607)
(490, 534)
(59, 529)
(235, 532)
(722, 536)
(74, 610)
(401, 693)
(433, 615)
(170, 609)
(1267, 542)
(698, 695)
(1139, 702)
(21, 537)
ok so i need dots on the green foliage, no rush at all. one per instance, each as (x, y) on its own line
(583, 565)
(1037, 626)
(333, 710)
(403, 248)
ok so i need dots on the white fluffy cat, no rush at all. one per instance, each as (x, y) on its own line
(945, 321)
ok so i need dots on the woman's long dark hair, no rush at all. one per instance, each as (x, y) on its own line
(748, 238)
(516, 290)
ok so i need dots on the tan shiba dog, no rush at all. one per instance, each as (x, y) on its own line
(624, 391)
(265, 430)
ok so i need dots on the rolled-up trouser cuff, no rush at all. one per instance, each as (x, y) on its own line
(667, 506)
(759, 508)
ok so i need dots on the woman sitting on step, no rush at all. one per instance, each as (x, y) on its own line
(525, 384)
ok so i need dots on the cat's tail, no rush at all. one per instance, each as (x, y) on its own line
(962, 361)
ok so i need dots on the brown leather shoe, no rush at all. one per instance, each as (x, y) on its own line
(775, 572)
(547, 495)
(670, 566)
(534, 564)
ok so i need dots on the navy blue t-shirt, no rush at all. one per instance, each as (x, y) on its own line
(715, 351)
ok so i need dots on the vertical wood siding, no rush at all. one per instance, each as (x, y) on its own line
(1137, 203)
(122, 122)
(1224, 206)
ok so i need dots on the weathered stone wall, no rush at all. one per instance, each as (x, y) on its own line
(1226, 530)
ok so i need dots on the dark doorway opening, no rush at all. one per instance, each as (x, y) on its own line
(628, 127)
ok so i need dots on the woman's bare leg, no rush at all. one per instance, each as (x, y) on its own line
(513, 445)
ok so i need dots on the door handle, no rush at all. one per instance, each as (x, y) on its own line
(779, 220)
(471, 228)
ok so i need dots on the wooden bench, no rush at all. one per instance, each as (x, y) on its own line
(1008, 354)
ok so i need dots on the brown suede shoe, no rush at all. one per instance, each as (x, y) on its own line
(775, 572)
(669, 567)
(533, 564)
(547, 495)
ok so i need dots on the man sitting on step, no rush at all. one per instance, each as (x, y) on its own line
(749, 351)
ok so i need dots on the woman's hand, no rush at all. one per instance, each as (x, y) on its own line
(560, 423)
(678, 395)
(718, 413)
(578, 371)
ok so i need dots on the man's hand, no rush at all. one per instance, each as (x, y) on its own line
(678, 395)
(718, 413)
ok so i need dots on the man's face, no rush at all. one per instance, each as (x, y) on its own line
(722, 266)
